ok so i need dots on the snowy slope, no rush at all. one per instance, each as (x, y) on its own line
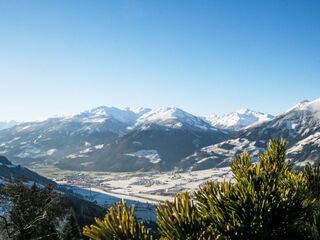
(173, 118)
(51, 139)
(300, 125)
(66, 138)
(238, 120)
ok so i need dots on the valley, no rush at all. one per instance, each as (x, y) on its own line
(147, 187)
(148, 155)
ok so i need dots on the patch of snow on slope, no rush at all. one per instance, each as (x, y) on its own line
(152, 155)
(51, 151)
(229, 148)
(100, 146)
(312, 139)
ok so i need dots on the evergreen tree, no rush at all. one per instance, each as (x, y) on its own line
(35, 212)
(118, 224)
(267, 201)
(71, 230)
(180, 219)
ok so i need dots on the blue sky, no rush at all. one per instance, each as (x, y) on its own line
(203, 56)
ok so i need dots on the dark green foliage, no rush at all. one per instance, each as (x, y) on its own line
(180, 219)
(35, 212)
(267, 201)
(84, 211)
(39, 213)
(71, 230)
(118, 224)
(313, 178)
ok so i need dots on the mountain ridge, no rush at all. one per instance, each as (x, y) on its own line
(108, 138)
(300, 125)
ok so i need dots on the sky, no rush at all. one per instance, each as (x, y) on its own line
(206, 57)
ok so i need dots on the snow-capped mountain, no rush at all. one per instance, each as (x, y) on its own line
(112, 139)
(238, 120)
(173, 118)
(158, 140)
(153, 147)
(8, 124)
(53, 138)
(300, 125)
(66, 138)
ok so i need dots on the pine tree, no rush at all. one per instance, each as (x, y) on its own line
(35, 212)
(71, 230)
(267, 200)
(118, 224)
(180, 219)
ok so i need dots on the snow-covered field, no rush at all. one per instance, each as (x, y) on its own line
(143, 210)
(143, 189)
(147, 187)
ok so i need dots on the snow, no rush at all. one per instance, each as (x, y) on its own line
(15, 139)
(140, 110)
(87, 150)
(147, 187)
(313, 139)
(171, 117)
(1, 180)
(143, 210)
(51, 151)
(20, 129)
(313, 106)
(150, 154)
(71, 156)
(238, 120)
(225, 154)
(8, 165)
(100, 146)
(27, 150)
(103, 112)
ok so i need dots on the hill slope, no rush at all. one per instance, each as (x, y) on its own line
(300, 125)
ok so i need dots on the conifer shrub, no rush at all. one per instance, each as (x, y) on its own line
(180, 219)
(118, 224)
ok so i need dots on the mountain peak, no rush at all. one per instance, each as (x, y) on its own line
(244, 111)
(239, 119)
(172, 117)
(313, 106)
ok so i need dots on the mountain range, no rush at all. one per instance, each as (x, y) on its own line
(112, 139)
(299, 125)
(238, 120)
